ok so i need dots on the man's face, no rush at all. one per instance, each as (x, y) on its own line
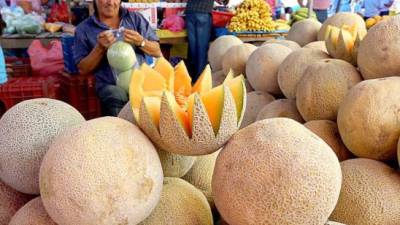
(108, 8)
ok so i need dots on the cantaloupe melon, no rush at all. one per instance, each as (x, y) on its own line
(340, 19)
(320, 45)
(379, 52)
(218, 77)
(275, 171)
(186, 119)
(10, 202)
(223, 222)
(33, 213)
(328, 131)
(293, 67)
(127, 114)
(200, 175)
(262, 67)
(368, 118)
(287, 43)
(236, 57)
(398, 152)
(280, 108)
(370, 194)
(26, 131)
(304, 32)
(256, 100)
(180, 204)
(219, 47)
(323, 87)
(105, 171)
(175, 165)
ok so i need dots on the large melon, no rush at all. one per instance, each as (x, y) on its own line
(379, 52)
(340, 19)
(236, 57)
(320, 45)
(218, 77)
(370, 194)
(26, 131)
(10, 202)
(293, 67)
(368, 118)
(180, 204)
(121, 56)
(287, 43)
(304, 31)
(103, 172)
(200, 175)
(323, 87)
(33, 213)
(175, 165)
(329, 132)
(218, 49)
(185, 119)
(127, 114)
(262, 67)
(280, 108)
(256, 100)
(275, 171)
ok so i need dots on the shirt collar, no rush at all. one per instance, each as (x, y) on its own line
(123, 13)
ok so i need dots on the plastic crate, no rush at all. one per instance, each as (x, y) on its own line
(79, 91)
(221, 19)
(23, 88)
(18, 67)
(67, 42)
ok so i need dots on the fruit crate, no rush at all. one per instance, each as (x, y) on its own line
(18, 67)
(79, 91)
(24, 88)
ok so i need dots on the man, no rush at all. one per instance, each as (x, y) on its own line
(92, 39)
(320, 7)
(385, 5)
(198, 26)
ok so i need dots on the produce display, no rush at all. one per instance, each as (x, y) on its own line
(300, 131)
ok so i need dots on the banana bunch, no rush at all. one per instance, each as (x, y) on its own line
(302, 14)
(252, 15)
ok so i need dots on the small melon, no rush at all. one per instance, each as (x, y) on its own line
(368, 118)
(293, 67)
(319, 45)
(256, 100)
(219, 47)
(287, 43)
(329, 132)
(218, 77)
(379, 51)
(276, 171)
(262, 67)
(323, 87)
(280, 108)
(33, 213)
(175, 165)
(180, 204)
(103, 172)
(340, 19)
(304, 31)
(200, 175)
(10, 202)
(127, 114)
(26, 131)
(370, 194)
(236, 57)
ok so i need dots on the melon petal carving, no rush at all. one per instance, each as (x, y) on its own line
(342, 43)
(185, 119)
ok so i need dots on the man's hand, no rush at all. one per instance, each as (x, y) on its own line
(105, 39)
(133, 37)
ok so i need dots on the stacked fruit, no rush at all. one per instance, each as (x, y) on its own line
(374, 20)
(252, 15)
(302, 14)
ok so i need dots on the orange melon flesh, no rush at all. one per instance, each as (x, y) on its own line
(183, 81)
(154, 81)
(137, 81)
(213, 102)
(180, 113)
(229, 77)
(153, 105)
(236, 87)
(167, 71)
(204, 83)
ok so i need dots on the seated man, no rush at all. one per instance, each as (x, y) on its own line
(93, 38)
